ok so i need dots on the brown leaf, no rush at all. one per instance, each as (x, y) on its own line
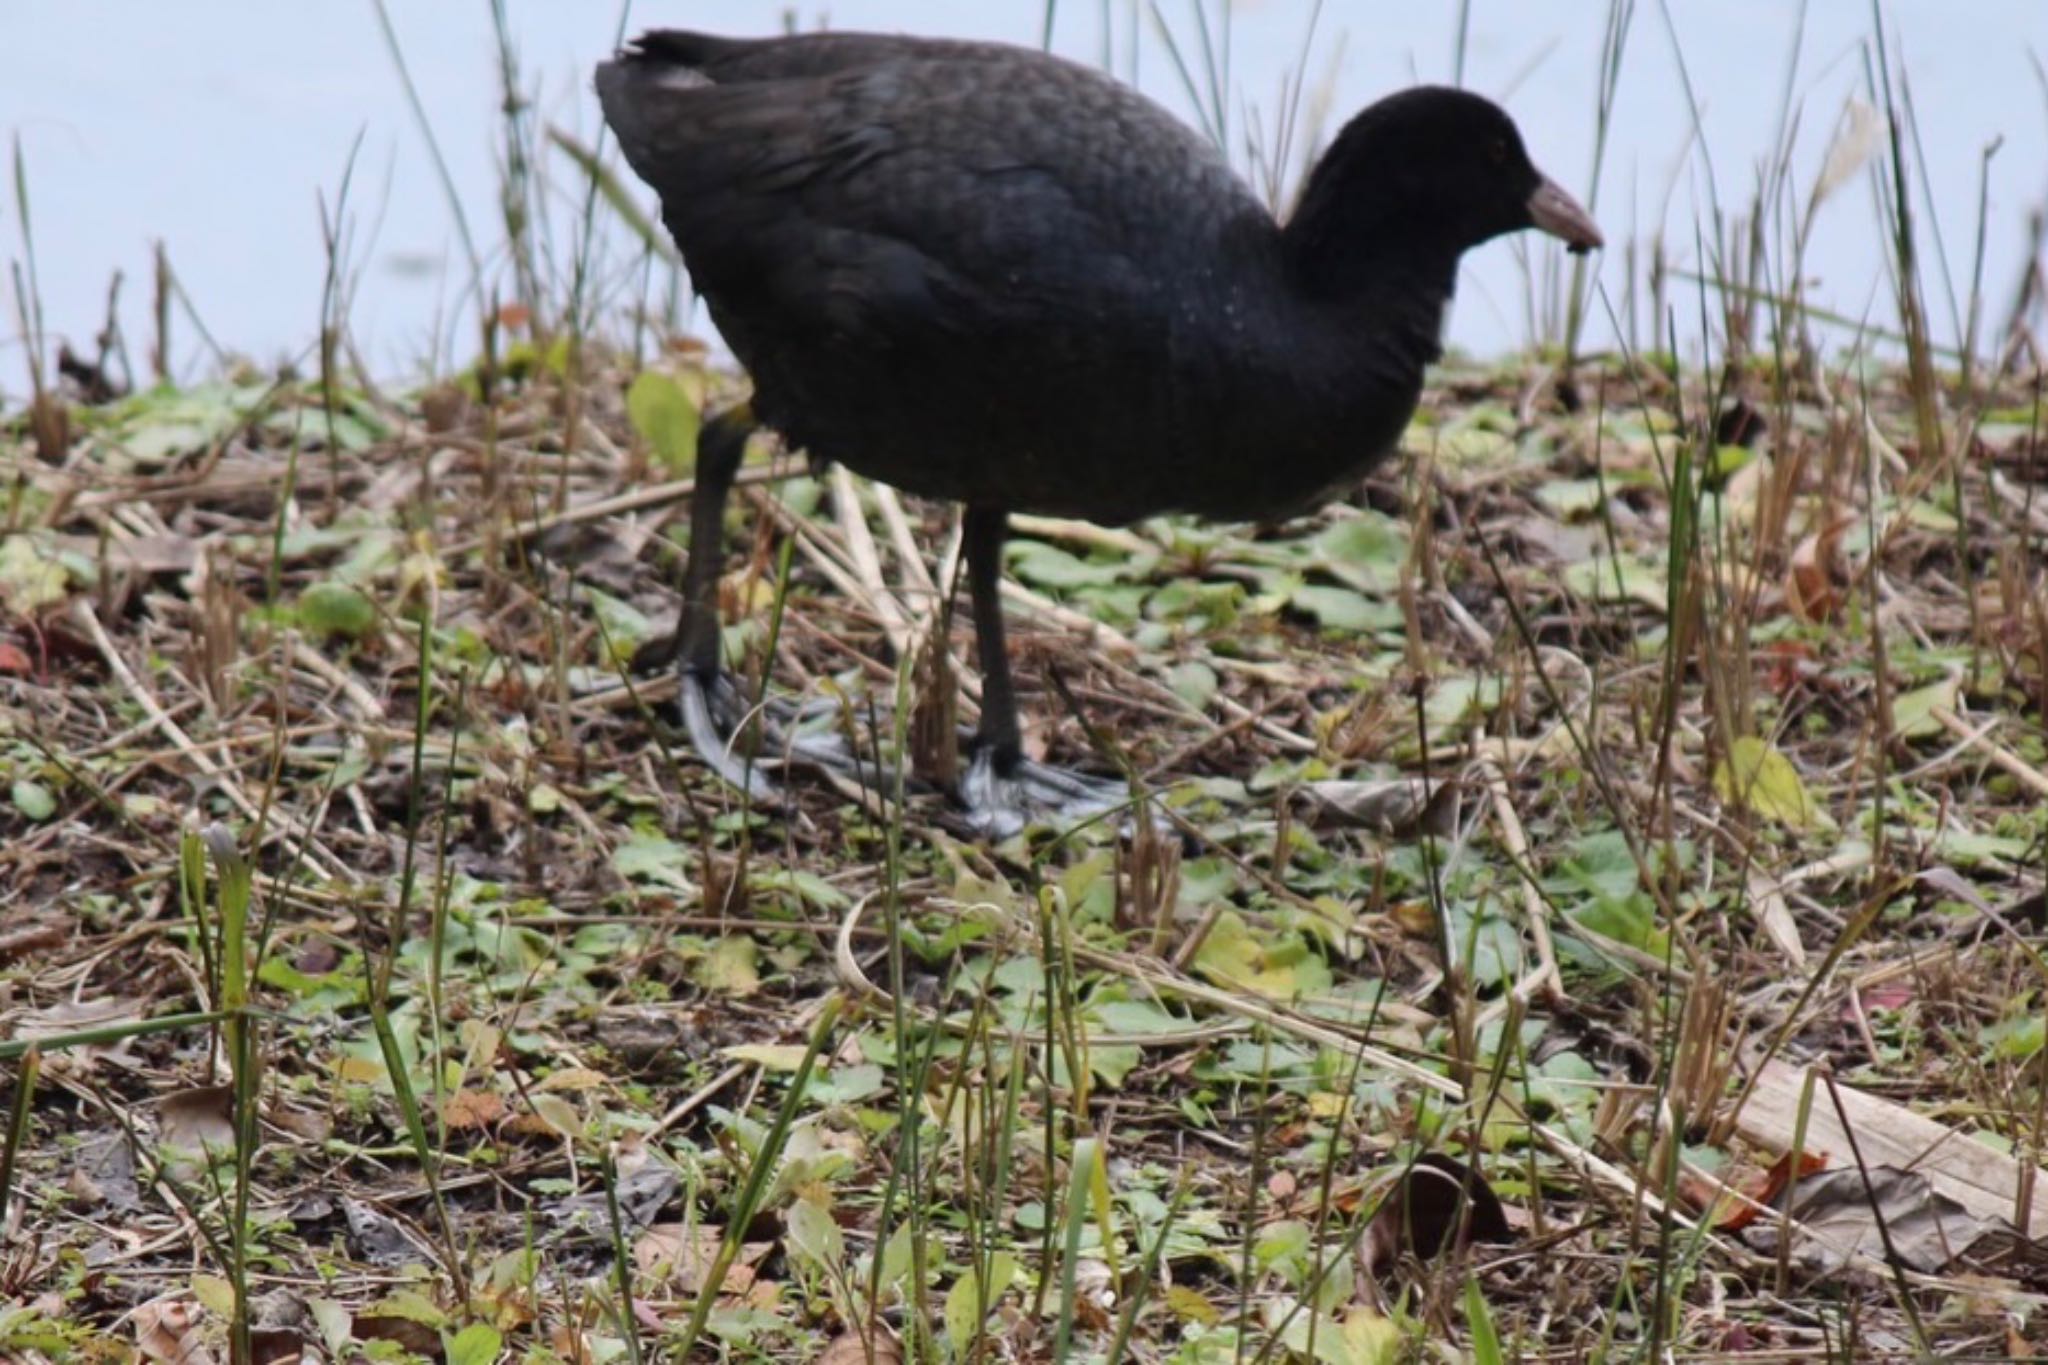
(1768, 1187)
(472, 1109)
(1839, 1212)
(169, 1331)
(1816, 579)
(416, 1337)
(198, 1120)
(661, 1253)
(850, 1348)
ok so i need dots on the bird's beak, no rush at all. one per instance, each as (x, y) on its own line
(1558, 214)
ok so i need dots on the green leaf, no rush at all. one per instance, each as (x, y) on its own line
(1049, 566)
(1629, 920)
(34, 800)
(215, 1294)
(968, 1303)
(329, 609)
(1364, 552)
(666, 418)
(847, 1084)
(1479, 1321)
(476, 1344)
(1347, 609)
(815, 1237)
(1194, 682)
(1568, 498)
(1913, 712)
(1603, 579)
(30, 579)
(897, 1255)
(653, 858)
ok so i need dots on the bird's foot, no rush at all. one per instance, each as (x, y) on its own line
(1001, 803)
(716, 712)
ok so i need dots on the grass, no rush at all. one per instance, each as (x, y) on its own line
(382, 979)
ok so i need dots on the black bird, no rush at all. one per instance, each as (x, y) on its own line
(986, 274)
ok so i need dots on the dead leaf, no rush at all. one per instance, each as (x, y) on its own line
(1767, 903)
(1816, 579)
(151, 555)
(1768, 1188)
(169, 1331)
(1838, 1214)
(419, 1338)
(680, 1256)
(1984, 1181)
(378, 1238)
(850, 1348)
(198, 1121)
(575, 1079)
(466, 1109)
(1399, 807)
(77, 1016)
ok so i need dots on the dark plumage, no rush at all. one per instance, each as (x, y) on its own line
(982, 273)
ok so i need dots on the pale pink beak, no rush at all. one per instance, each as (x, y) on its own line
(1558, 214)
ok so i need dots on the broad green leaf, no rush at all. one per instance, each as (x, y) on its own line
(1347, 609)
(1603, 579)
(1628, 920)
(215, 1294)
(1051, 567)
(653, 858)
(330, 609)
(1913, 712)
(476, 1344)
(1570, 497)
(34, 800)
(968, 1303)
(666, 417)
(1194, 682)
(896, 1255)
(1363, 552)
(815, 1236)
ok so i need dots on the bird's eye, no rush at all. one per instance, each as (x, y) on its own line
(1497, 151)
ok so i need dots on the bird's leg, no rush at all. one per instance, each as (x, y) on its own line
(1001, 789)
(998, 736)
(714, 707)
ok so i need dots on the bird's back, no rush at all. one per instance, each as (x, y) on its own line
(973, 270)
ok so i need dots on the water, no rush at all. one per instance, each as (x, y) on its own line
(213, 124)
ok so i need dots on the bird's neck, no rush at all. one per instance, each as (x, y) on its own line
(1388, 281)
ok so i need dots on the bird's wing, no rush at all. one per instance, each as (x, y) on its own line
(888, 188)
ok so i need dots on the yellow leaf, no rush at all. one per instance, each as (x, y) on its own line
(730, 968)
(1191, 1305)
(769, 1056)
(1756, 776)
(1370, 1339)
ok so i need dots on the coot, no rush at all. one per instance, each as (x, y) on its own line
(982, 273)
